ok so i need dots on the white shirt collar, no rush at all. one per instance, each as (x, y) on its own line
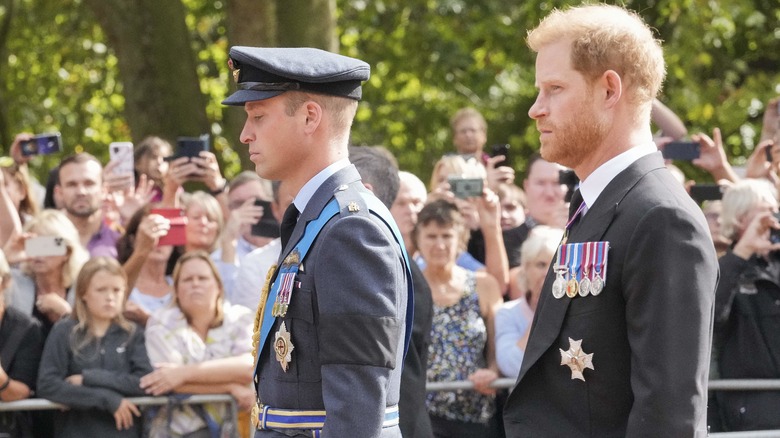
(307, 191)
(597, 181)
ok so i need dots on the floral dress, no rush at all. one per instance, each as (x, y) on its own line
(457, 349)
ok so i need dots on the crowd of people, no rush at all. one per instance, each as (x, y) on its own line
(117, 286)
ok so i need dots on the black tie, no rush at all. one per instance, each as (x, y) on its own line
(288, 224)
(574, 204)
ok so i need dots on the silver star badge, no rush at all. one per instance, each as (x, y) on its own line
(576, 359)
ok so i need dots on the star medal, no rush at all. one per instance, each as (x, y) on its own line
(576, 359)
(559, 284)
(283, 347)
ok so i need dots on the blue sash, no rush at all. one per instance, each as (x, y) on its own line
(313, 229)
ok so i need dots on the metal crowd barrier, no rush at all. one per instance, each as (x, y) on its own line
(714, 385)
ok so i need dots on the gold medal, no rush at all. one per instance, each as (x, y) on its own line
(292, 259)
(283, 347)
(572, 288)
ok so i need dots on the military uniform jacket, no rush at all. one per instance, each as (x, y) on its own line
(346, 319)
(649, 330)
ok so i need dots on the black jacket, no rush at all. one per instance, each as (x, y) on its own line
(747, 335)
(111, 367)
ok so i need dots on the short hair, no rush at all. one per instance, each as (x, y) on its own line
(540, 238)
(248, 176)
(51, 222)
(414, 182)
(511, 191)
(445, 214)
(375, 167)
(605, 37)
(341, 109)
(78, 158)
(204, 256)
(467, 113)
(740, 199)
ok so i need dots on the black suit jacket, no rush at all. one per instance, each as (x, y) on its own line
(649, 330)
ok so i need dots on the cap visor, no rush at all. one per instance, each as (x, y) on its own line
(241, 97)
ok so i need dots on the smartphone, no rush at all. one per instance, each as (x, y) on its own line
(466, 187)
(706, 192)
(191, 146)
(45, 246)
(42, 144)
(768, 152)
(501, 149)
(122, 151)
(177, 234)
(682, 150)
(267, 226)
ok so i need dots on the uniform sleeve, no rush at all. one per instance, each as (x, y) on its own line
(361, 291)
(125, 383)
(55, 365)
(668, 284)
(509, 330)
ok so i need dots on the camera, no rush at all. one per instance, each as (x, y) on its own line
(466, 187)
(42, 144)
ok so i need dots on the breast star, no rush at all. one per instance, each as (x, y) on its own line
(576, 359)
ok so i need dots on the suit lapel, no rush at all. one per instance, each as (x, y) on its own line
(317, 202)
(592, 227)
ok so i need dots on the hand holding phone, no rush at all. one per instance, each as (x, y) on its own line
(42, 144)
(45, 246)
(682, 150)
(267, 226)
(501, 149)
(122, 153)
(466, 187)
(177, 234)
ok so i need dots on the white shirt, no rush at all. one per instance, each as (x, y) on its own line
(252, 272)
(307, 191)
(597, 181)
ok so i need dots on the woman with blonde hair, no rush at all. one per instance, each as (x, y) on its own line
(41, 287)
(199, 345)
(94, 360)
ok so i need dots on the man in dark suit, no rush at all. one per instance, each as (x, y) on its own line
(331, 328)
(379, 171)
(622, 351)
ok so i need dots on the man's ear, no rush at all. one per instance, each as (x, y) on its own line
(313, 116)
(613, 86)
(368, 186)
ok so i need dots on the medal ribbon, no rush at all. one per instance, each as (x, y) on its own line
(587, 260)
(602, 259)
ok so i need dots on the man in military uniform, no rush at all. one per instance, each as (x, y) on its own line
(332, 325)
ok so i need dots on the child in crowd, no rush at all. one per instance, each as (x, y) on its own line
(93, 360)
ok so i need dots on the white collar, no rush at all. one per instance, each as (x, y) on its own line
(307, 191)
(597, 181)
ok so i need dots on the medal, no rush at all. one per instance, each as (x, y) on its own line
(559, 284)
(600, 268)
(572, 286)
(283, 347)
(597, 285)
(586, 260)
(576, 359)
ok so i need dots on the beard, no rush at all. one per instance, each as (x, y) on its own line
(84, 210)
(574, 141)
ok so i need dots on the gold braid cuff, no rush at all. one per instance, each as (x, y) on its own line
(259, 314)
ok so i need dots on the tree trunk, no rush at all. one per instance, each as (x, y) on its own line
(156, 65)
(308, 23)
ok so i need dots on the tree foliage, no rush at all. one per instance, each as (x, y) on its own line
(59, 71)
